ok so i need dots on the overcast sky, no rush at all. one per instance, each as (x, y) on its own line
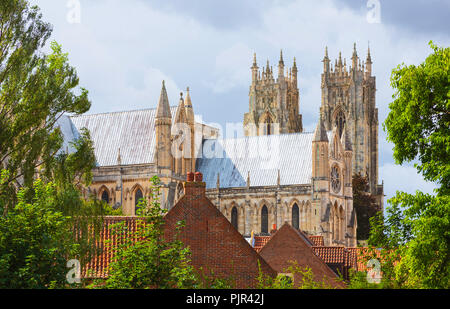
(122, 51)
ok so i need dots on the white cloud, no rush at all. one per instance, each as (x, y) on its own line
(231, 68)
(124, 49)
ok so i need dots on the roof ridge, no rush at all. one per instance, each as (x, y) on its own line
(118, 112)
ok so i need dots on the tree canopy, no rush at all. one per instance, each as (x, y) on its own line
(35, 91)
(417, 226)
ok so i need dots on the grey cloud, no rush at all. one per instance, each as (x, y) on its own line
(424, 16)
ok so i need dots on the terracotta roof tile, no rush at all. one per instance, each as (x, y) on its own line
(97, 267)
(317, 240)
(260, 242)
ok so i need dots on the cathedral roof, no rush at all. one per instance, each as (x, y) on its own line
(131, 131)
(261, 157)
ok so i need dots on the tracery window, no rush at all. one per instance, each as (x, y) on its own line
(335, 179)
(105, 196)
(340, 122)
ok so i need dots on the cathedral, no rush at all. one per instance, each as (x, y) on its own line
(275, 173)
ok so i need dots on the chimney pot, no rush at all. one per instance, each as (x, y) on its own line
(198, 177)
(190, 176)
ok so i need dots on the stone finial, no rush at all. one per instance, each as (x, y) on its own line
(119, 158)
(188, 107)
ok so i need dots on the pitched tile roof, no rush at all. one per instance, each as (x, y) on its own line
(317, 240)
(260, 242)
(98, 266)
(291, 245)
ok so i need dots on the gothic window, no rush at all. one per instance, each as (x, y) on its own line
(180, 190)
(137, 197)
(264, 220)
(335, 179)
(105, 196)
(340, 122)
(295, 217)
(268, 127)
(234, 217)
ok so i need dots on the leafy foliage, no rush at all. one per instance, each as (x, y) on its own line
(145, 259)
(416, 230)
(36, 90)
(364, 204)
(35, 241)
(308, 281)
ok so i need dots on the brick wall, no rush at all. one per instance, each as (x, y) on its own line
(288, 244)
(214, 243)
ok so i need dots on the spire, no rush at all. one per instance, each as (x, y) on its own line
(369, 59)
(326, 61)
(180, 114)
(281, 65)
(320, 135)
(188, 107)
(255, 69)
(355, 54)
(340, 62)
(281, 58)
(163, 109)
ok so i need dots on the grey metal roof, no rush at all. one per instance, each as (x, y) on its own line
(131, 131)
(261, 156)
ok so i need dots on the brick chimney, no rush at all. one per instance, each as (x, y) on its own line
(274, 229)
(194, 186)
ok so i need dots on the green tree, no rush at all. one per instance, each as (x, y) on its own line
(35, 240)
(364, 204)
(417, 227)
(35, 91)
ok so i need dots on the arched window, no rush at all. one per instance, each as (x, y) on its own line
(234, 217)
(105, 196)
(268, 127)
(264, 220)
(340, 122)
(295, 217)
(137, 196)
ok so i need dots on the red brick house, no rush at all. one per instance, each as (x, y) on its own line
(215, 244)
(289, 245)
